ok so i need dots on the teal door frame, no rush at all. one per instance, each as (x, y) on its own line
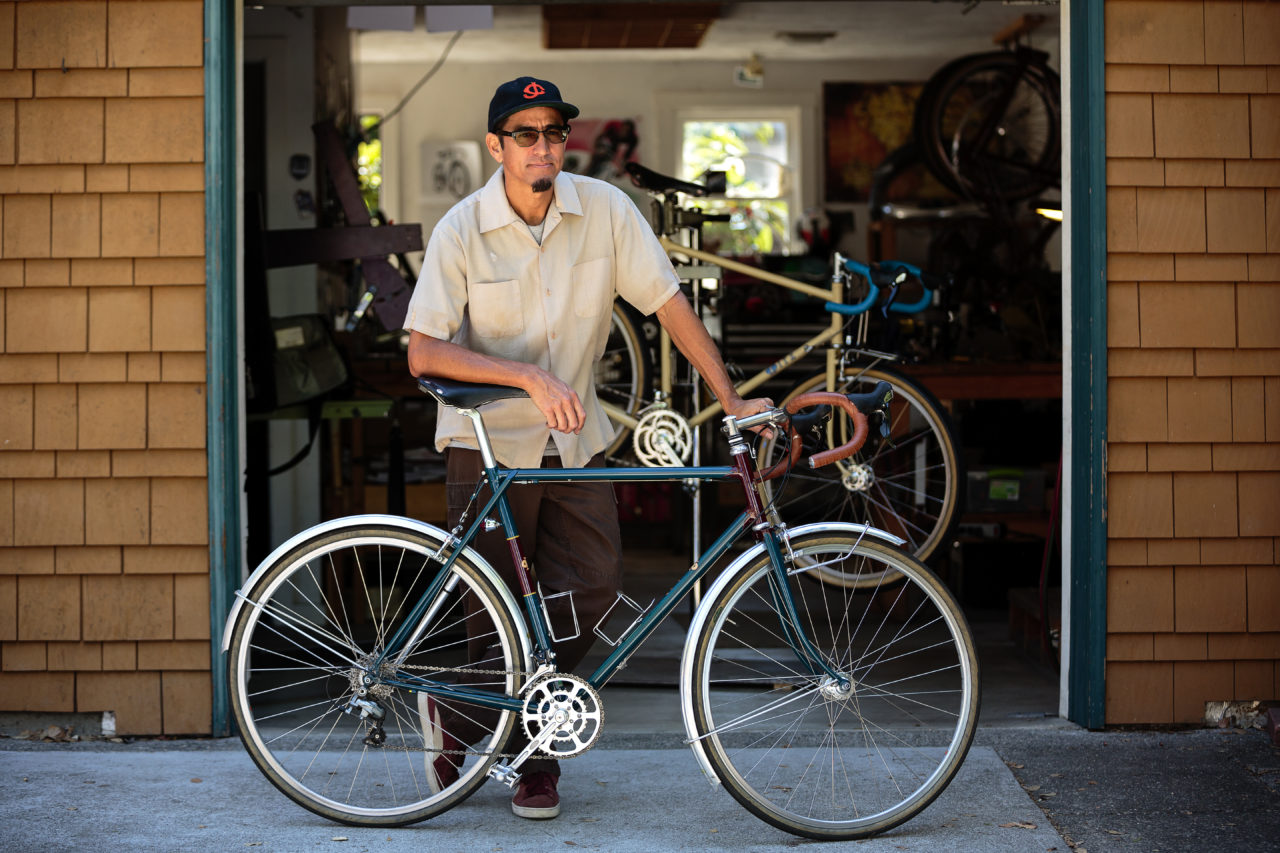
(221, 170)
(1087, 530)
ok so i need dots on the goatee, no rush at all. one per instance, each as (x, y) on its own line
(542, 185)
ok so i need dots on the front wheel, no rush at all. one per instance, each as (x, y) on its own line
(908, 485)
(803, 751)
(305, 643)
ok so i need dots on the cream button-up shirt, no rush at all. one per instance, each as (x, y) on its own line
(487, 285)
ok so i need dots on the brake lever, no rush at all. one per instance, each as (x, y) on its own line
(885, 430)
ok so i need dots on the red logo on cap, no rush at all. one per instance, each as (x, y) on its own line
(533, 90)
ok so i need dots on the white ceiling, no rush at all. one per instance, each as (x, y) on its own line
(865, 29)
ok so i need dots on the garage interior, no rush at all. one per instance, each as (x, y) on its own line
(390, 101)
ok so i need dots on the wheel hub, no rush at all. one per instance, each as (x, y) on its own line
(364, 682)
(858, 477)
(831, 689)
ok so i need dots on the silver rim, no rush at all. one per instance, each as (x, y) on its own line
(808, 755)
(296, 661)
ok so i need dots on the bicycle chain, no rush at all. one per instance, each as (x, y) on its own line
(464, 752)
(453, 538)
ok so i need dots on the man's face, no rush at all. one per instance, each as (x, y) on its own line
(537, 165)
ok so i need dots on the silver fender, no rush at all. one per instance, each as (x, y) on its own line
(427, 531)
(703, 613)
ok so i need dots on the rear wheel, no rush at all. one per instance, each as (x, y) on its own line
(907, 485)
(811, 755)
(624, 374)
(303, 646)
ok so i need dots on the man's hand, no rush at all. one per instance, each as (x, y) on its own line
(558, 402)
(740, 408)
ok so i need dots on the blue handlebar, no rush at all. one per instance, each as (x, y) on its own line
(874, 291)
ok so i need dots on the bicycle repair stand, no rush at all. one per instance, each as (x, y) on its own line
(697, 275)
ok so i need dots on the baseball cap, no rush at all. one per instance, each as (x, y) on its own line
(523, 93)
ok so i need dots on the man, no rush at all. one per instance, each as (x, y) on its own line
(517, 287)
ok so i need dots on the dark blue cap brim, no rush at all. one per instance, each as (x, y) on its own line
(569, 111)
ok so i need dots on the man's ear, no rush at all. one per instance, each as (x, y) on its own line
(493, 142)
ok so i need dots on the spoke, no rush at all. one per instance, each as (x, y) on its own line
(791, 697)
(343, 656)
(332, 706)
(259, 693)
(889, 696)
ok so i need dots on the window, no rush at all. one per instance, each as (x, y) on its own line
(756, 150)
(369, 161)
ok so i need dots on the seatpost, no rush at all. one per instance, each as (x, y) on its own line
(482, 438)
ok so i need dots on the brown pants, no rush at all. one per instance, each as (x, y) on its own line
(569, 535)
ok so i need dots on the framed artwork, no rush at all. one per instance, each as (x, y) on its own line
(862, 124)
(450, 171)
(601, 148)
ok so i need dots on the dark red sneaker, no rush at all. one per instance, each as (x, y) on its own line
(442, 769)
(536, 796)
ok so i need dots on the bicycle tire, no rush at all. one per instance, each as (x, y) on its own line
(794, 749)
(1006, 157)
(624, 374)
(322, 608)
(908, 485)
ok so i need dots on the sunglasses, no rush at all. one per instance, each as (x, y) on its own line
(527, 137)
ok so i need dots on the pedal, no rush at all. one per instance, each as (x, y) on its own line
(505, 774)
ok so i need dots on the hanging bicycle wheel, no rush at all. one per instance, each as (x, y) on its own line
(299, 658)
(908, 485)
(804, 751)
(989, 127)
(624, 375)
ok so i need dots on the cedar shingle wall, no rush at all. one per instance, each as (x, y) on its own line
(1193, 240)
(103, 510)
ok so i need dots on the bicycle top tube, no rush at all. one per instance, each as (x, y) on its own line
(468, 396)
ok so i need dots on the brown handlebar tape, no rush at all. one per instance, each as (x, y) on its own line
(821, 398)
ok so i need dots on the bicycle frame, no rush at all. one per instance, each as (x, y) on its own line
(501, 479)
(832, 297)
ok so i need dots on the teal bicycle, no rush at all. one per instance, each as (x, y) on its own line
(830, 712)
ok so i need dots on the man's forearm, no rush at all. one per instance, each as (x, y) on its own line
(430, 356)
(558, 402)
(691, 338)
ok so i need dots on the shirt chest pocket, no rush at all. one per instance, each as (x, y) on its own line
(496, 309)
(592, 288)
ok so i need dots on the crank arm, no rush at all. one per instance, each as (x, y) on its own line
(506, 773)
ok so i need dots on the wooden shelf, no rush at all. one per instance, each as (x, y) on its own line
(990, 381)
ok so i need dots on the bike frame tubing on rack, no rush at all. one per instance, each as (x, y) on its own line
(501, 479)
(831, 296)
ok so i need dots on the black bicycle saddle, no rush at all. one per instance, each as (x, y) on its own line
(647, 179)
(465, 395)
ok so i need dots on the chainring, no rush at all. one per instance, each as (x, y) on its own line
(568, 705)
(662, 438)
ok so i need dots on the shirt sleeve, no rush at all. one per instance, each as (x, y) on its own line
(644, 276)
(439, 300)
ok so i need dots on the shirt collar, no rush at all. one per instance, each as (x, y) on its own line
(496, 211)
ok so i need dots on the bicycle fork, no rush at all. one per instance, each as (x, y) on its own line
(770, 531)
